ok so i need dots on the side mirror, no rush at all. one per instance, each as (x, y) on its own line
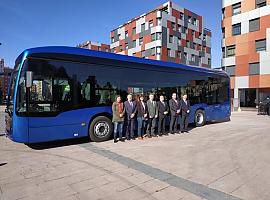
(29, 79)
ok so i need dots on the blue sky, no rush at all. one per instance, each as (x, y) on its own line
(31, 23)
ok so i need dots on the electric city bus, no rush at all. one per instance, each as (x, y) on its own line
(58, 93)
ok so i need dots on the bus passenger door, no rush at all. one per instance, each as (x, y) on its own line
(49, 108)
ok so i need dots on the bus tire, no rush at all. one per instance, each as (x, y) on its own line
(199, 118)
(100, 129)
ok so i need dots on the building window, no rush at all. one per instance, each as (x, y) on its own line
(151, 24)
(200, 59)
(254, 25)
(181, 16)
(223, 52)
(193, 33)
(112, 39)
(189, 19)
(188, 44)
(133, 43)
(134, 31)
(140, 41)
(236, 8)
(230, 70)
(153, 37)
(260, 45)
(194, 21)
(134, 54)
(192, 57)
(185, 55)
(158, 49)
(254, 68)
(260, 3)
(185, 30)
(236, 29)
(203, 49)
(179, 28)
(106, 49)
(159, 36)
(121, 47)
(173, 26)
(209, 62)
(126, 46)
(143, 27)
(170, 39)
(169, 52)
(126, 34)
(204, 37)
(223, 32)
(230, 51)
(179, 54)
(159, 22)
(179, 41)
(153, 51)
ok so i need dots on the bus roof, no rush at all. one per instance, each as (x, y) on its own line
(114, 56)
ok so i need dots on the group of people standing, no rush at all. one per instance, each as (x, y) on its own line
(148, 114)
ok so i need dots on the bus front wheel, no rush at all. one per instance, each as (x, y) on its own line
(100, 129)
(199, 118)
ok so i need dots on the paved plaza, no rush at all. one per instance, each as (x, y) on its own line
(219, 161)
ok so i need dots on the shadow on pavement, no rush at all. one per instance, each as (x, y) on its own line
(56, 144)
(2, 164)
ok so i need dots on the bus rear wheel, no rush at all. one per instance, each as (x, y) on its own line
(100, 129)
(199, 118)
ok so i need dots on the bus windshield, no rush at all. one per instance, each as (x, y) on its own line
(11, 91)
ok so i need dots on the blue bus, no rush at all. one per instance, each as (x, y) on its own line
(58, 93)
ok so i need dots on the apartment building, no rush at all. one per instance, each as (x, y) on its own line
(95, 46)
(168, 33)
(246, 50)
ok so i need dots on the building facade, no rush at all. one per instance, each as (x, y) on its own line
(95, 46)
(2, 64)
(246, 50)
(168, 33)
(4, 82)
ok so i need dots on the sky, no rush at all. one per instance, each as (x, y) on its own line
(31, 23)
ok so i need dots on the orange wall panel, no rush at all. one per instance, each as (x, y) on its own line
(264, 21)
(247, 5)
(241, 49)
(228, 11)
(264, 80)
(230, 41)
(254, 81)
(241, 68)
(254, 57)
(232, 81)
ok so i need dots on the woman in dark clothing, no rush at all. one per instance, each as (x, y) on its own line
(141, 116)
(118, 118)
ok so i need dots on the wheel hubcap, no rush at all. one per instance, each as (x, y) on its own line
(199, 118)
(101, 129)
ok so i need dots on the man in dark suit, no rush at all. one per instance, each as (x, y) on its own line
(152, 116)
(163, 110)
(185, 110)
(175, 111)
(131, 110)
(142, 114)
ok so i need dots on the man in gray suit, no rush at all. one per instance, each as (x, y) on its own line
(153, 114)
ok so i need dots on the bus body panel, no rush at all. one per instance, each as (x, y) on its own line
(66, 125)
(18, 132)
